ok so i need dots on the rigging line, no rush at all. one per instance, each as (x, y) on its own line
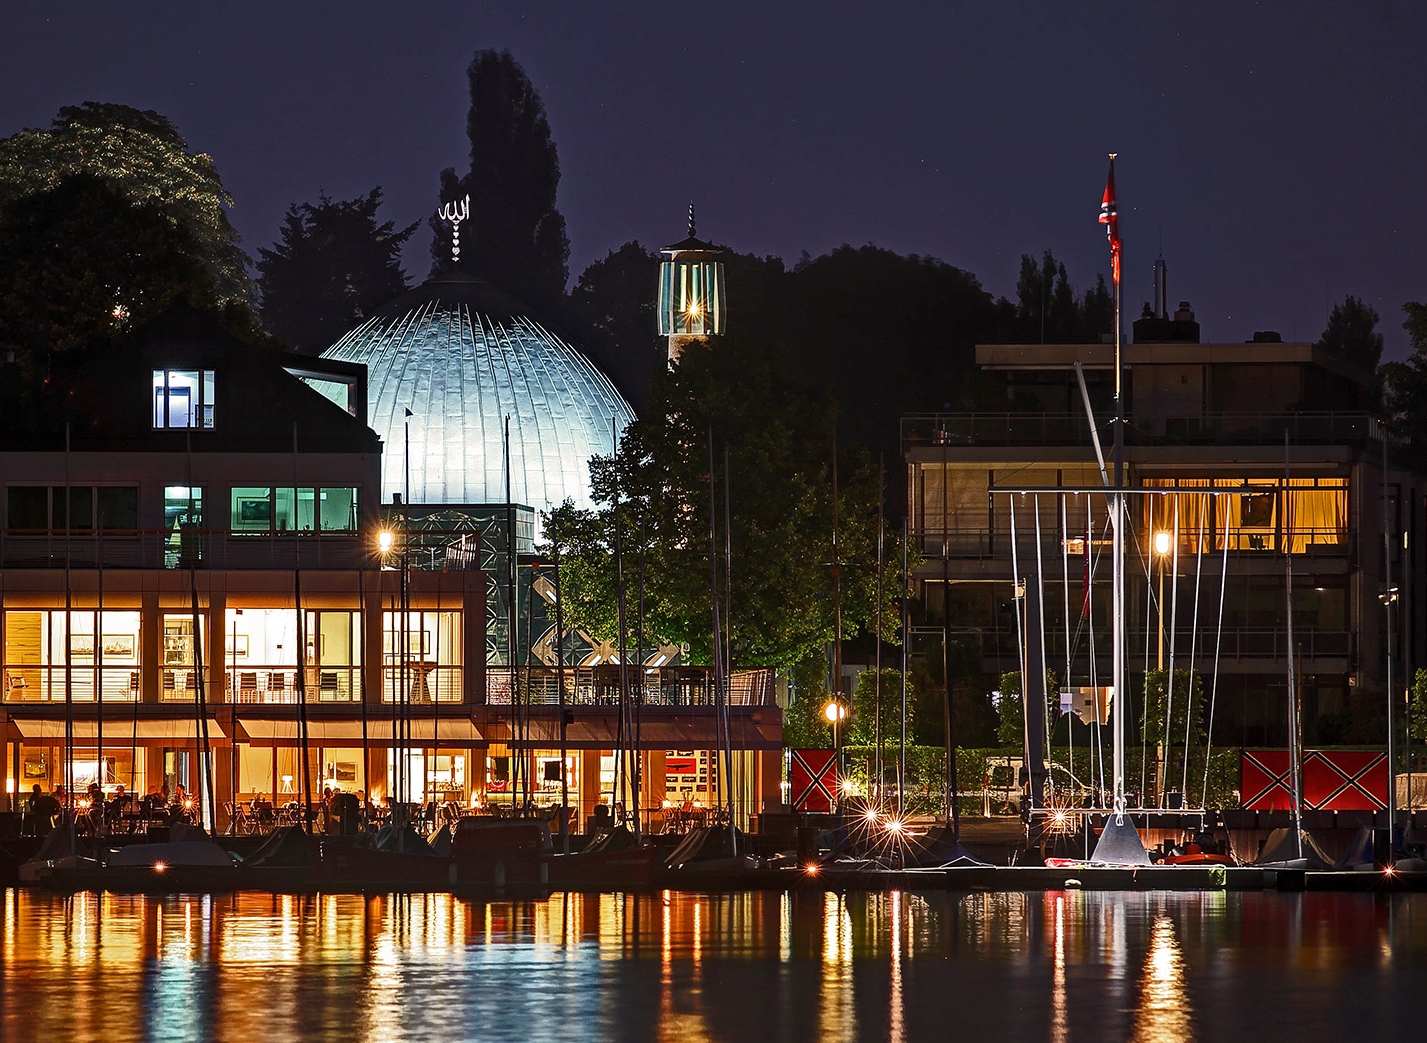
(1065, 591)
(1016, 607)
(1164, 731)
(1150, 603)
(68, 808)
(728, 627)
(1214, 686)
(1087, 620)
(1040, 620)
(1193, 644)
(99, 772)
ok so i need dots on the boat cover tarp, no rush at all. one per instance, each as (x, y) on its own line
(411, 841)
(1120, 844)
(1358, 852)
(937, 849)
(1280, 851)
(286, 847)
(706, 844)
(440, 844)
(617, 839)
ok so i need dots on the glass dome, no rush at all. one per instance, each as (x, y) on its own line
(462, 356)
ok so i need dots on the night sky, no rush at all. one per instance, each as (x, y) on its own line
(1277, 148)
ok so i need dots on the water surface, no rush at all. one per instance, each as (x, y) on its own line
(896, 967)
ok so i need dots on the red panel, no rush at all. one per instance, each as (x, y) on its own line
(681, 765)
(1333, 780)
(813, 780)
(1345, 780)
(1263, 780)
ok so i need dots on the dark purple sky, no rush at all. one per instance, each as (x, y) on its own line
(1278, 148)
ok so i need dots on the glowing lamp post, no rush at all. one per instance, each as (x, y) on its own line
(836, 712)
(1162, 543)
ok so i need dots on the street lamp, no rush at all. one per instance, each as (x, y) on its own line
(1162, 543)
(836, 712)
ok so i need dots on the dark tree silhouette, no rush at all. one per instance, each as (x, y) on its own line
(612, 305)
(1352, 334)
(1405, 383)
(332, 265)
(142, 157)
(514, 236)
(81, 262)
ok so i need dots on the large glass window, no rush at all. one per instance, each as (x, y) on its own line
(339, 509)
(183, 398)
(285, 509)
(260, 654)
(180, 656)
(78, 508)
(47, 654)
(183, 524)
(1266, 514)
(424, 662)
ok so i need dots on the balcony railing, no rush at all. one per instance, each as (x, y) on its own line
(600, 686)
(936, 430)
(163, 549)
(278, 684)
(983, 543)
(1235, 644)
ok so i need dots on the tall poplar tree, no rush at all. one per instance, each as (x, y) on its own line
(514, 236)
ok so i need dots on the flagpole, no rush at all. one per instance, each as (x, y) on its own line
(1120, 842)
(1118, 509)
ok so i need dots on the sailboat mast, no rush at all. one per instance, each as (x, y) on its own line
(1117, 512)
(1294, 753)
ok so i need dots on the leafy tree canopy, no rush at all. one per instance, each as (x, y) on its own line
(332, 265)
(80, 263)
(778, 444)
(514, 236)
(142, 157)
(1048, 310)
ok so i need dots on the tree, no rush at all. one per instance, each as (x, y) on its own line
(613, 304)
(778, 442)
(332, 265)
(1405, 383)
(862, 729)
(80, 263)
(142, 157)
(1010, 709)
(514, 236)
(1352, 334)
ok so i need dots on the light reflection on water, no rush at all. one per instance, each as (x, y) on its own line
(762, 966)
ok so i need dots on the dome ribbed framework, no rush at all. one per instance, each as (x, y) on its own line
(462, 356)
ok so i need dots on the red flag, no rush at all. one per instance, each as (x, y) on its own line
(1110, 218)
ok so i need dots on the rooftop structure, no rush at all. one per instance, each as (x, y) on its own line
(461, 356)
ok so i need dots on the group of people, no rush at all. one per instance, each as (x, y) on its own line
(94, 809)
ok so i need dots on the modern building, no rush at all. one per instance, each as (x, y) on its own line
(1252, 462)
(198, 560)
(490, 420)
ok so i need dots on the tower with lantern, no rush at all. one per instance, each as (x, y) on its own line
(691, 291)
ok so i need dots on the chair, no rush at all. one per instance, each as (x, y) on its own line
(247, 687)
(277, 686)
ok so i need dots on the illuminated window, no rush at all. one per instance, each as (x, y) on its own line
(1251, 514)
(183, 398)
(285, 509)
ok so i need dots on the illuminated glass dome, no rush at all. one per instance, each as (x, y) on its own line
(462, 356)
